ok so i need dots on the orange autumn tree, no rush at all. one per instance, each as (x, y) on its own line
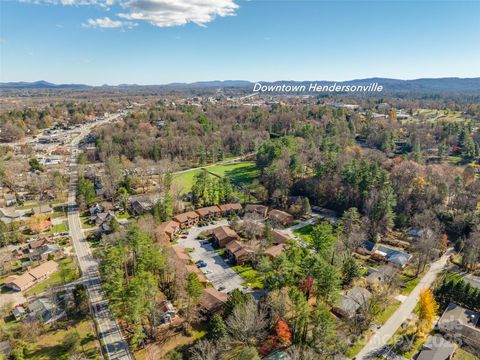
(427, 311)
(284, 335)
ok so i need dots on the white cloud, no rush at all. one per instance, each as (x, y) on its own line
(161, 13)
(107, 23)
(166, 13)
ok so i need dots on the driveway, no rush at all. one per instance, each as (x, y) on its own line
(379, 339)
(218, 272)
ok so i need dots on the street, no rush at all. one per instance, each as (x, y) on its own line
(108, 330)
(382, 335)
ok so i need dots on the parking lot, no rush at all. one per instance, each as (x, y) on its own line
(218, 271)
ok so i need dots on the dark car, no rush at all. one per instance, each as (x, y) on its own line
(201, 263)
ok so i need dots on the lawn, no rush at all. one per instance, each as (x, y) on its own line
(240, 173)
(252, 277)
(409, 283)
(49, 346)
(59, 228)
(56, 278)
(462, 354)
(305, 233)
(387, 313)
(185, 180)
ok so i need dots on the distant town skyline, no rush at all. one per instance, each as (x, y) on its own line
(145, 42)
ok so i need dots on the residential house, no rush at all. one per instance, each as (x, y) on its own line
(366, 248)
(10, 199)
(223, 235)
(462, 324)
(103, 217)
(384, 274)
(180, 254)
(33, 245)
(95, 209)
(230, 209)
(279, 237)
(280, 217)
(212, 300)
(45, 252)
(209, 213)
(393, 256)
(42, 209)
(167, 231)
(18, 312)
(261, 210)
(187, 219)
(9, 214)
(167, 311)
(437, 348)
(239, 251)
(352, 301)
(45, 310)
(42, 226)
(274, 251)
(31, 277)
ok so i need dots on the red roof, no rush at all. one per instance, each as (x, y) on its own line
(41, 226)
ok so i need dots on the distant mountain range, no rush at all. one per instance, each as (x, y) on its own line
(419, 85)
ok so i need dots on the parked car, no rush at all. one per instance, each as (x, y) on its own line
(221, 288)
(201, 264)
(184, 236)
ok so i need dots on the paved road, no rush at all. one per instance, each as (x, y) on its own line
(382, 335)
(219, 272)
(108, 330)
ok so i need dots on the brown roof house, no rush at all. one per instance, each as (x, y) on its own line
(274, 251)
(187, 219)
(209, 213)
(461, 324)
(223, 235)
(230, 209)
(261, 210)
(167, 231)
(31, 277)
(280, 217)
(279, 237)
(212, 300)
(239, 251)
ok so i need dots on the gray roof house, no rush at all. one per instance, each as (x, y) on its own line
(437, 348)
(461, 324)
(45, 310)
(384, 274)
(393, 256)
(351, 301)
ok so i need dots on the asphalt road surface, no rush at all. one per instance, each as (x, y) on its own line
(110, 335)
(378, 341)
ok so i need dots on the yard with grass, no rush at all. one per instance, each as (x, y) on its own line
(240, 173)
(462, 354)
(382, 318)
(305, 233)
(251, 276)
(60, 277)
(49, 346)
(408, 283)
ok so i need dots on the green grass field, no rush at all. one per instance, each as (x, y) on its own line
(241, 173)
(305, 233)
(251, 276)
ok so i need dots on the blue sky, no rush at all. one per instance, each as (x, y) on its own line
(162, 41)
